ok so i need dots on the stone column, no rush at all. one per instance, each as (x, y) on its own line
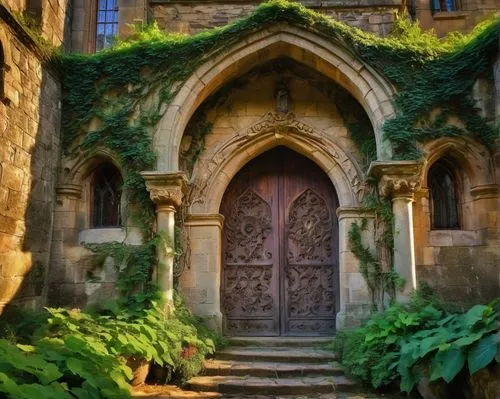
(167, 191)
(201, 279)
(399, 180)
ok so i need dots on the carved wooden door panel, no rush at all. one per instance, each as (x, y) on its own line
(279, 248)
(310, 272)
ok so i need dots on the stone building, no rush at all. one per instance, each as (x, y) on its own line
(270, 198)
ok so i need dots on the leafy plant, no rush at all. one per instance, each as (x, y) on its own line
(407, 343)
(80, 354)
(455, 341)
(60, 369)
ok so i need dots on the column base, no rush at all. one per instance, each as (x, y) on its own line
(354, 315)
(213, 321)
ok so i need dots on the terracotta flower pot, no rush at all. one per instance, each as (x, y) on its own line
(140, 369)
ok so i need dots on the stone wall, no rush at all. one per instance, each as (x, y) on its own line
(190, 17)
(462, 264)
(83, 29)
(467, 15)
(51, 16)
(55, 21)
(29, 154)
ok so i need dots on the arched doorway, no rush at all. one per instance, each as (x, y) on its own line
(280, 248)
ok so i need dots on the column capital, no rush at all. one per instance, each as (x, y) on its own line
(166, 189)
(399, 179)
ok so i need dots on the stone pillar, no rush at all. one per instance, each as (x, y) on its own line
(404, 245)
(167, 191)
(354, 298)
(201, 279)
(399, 180)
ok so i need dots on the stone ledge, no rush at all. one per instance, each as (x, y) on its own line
(456, 238)
(444, 15)
(131, 236)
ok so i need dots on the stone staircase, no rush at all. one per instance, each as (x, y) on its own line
(256, 367)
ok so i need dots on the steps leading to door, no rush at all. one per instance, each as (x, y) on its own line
(279, 354)
(277, 342)
(273, 366)
(269, 369)
(271, 386)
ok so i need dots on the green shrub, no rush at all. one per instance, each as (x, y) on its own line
(80, 354)
(407, 343)
(62, 368)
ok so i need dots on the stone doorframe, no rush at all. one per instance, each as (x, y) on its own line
(327, 56)
(200, 282)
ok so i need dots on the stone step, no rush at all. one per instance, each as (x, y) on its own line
(170, 392)
(276, 342)
(270, 386)
(280, 354)
(270, 369)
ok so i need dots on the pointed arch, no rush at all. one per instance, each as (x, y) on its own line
(213, 174)
(332, 59)
(468, 154)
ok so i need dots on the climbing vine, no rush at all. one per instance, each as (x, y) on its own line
(115, 98)
(376, 265)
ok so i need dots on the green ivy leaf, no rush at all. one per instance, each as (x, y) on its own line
(482, 353)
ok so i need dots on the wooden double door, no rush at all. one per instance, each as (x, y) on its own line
(280, 254)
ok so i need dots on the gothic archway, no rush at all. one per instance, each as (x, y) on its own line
(332, 59)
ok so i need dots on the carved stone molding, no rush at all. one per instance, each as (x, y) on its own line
(345, 212)
(485, 191)
(397, 178)
(280, 126)
(166, 189)
(205, 219)
(279, 122)
(69, 190)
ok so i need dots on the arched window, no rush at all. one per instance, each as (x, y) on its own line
(106, 23)
(444, 195)
(106, 194)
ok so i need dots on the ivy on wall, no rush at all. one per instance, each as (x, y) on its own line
(115, 98)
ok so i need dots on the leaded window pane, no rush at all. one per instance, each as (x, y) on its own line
(107, 23)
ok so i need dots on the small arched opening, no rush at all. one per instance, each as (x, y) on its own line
(105, 198)
(445, 194)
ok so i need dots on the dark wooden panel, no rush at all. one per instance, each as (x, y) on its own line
(310, 248)
(250, 278)
(280, 250)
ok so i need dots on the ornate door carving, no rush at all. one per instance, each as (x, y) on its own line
(309, 266)
(279, 255)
